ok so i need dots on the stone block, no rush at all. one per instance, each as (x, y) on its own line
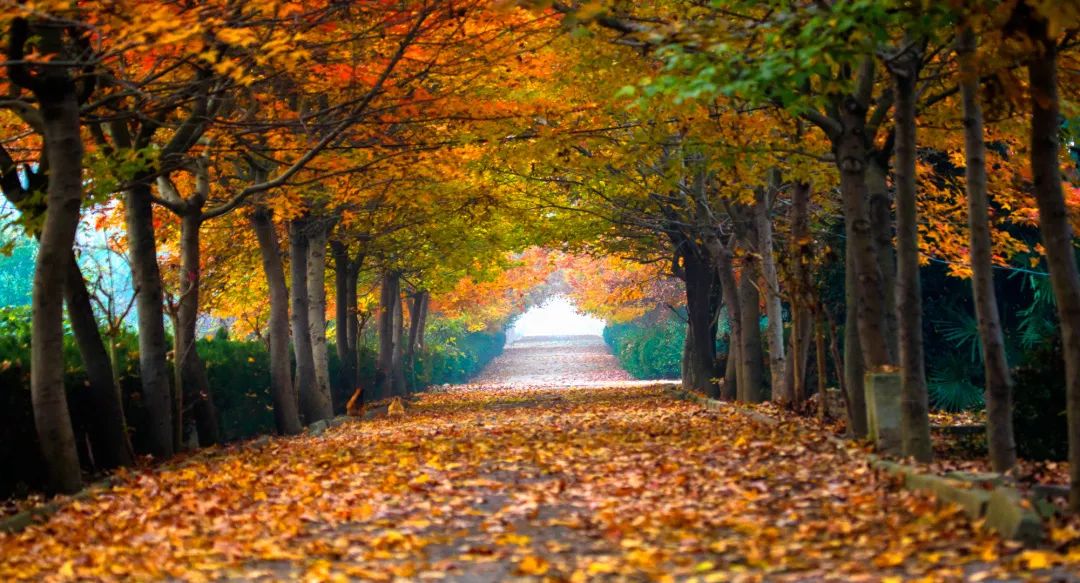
(318, 427)
(883, 410)
(1011, 516)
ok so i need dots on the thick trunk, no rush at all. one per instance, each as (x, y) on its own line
(417, 322)
(1055, 229)
(801, 293)
(881, 225)
(322, 404)
(914, 411)
(389, 297)
(63, 147)
(999, 384)
(142, 248)
(301, 336)
(282, 391)
(853, 358)
(344, 305)
(774, 331)
(108, 428)
(195, 387)
(701, 331)
(852, 158)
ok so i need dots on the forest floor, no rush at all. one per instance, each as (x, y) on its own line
(532, 475)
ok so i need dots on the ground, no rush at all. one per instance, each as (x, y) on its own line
(526, 475)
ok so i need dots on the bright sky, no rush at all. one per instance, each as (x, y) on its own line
(556, 317)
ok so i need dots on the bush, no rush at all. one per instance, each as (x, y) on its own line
(649, 347)
(1039, 404)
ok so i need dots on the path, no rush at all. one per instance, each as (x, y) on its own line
(502, 481)
(554, 361)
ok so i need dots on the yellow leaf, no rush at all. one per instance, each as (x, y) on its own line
(533, 565)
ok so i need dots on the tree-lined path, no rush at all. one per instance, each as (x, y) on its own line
(492, 481)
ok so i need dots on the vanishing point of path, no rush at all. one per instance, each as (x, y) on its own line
(509, 480)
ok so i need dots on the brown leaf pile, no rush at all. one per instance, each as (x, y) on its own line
(562, 484)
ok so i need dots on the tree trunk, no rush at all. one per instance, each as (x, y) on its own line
(146, 276)
(801, 293)
(322, 404)
(389, 297)
(195, 387)
(344, 304)
(64, 149)
(397, 367)
(914, 410)
(282, 391)
(417, 321)
(853, 358)
(1054, 227)
(730, 290)
(819, 345)
(305, 360)
(774, 331)
(852, 158)
(700, 276)
(751, 374)
(881, 225)
(999, 384)
(108, 428)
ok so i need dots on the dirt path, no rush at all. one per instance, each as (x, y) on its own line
(554, 361)
(505, 481)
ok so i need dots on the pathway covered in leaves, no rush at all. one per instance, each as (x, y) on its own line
(501, 481)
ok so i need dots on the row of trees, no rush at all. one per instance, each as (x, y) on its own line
(313, 136)
(753, 124)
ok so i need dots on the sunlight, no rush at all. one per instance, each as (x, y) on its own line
(556, 317)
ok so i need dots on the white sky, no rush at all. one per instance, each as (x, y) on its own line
(556, 317)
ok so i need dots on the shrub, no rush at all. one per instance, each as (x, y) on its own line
(649, 347)
(1039, 403)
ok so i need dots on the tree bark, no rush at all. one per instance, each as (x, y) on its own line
(282, 391)
(853, 358)
(417, 322)
(64, 150)
(305, 360)
(322, 404)
(999, 383)
(146, 275)
(914, 410)
(108, 428)
(344, 304)
(701, 330)
(195, 386)
(397, 367)
(852, 155)
(773, 308)
(1054, 226)
(751, 374)
(389, 297)
(801, 292)
(730, 290)
(881, 225)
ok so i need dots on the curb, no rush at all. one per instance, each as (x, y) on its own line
(1001, 509)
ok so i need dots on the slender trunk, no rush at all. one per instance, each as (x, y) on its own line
(417, 317)
(819, 345)
(390, 295)
(301, 336)
(1054, 227)
(801, 292)
(914, 410)
(999, 384)
(774, 331)
(700, 276)
(853, 358)
(354, 326)
(196, 388)
(342, 313)
(63, 147)
(881, 225)
(282, 391)
(322, 404)
(142, 247)
(730, 290)
(401, 389)
(852, 158)
(108, 428)
(179, 419)
(751, 375)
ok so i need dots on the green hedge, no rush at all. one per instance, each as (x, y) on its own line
(649, 347)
